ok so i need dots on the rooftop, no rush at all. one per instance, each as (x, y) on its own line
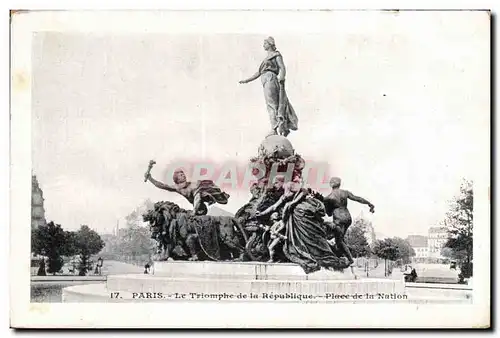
(437, 229)
(417, 241)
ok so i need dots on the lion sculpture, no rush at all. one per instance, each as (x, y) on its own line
(182, 235)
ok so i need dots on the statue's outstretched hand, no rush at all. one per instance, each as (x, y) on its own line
(243, 82)
(372, 208)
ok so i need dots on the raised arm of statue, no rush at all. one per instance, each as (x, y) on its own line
(282, 71)
(361, 200)
(161, 185)
(273, 207)
(298, 198)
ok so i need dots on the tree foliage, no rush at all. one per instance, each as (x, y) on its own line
(135, 217)
(365, 225)
(405, 249)
(393, 249)
(448, 253)
(385, 249)
(85, 242)
(459, 221)
(133, 241)
(51, 241)
(355, 239)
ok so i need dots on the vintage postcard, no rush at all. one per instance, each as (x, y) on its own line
(250, 169)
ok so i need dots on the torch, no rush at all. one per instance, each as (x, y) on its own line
(148, 172)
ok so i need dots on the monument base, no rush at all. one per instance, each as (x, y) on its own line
(252, 282)
(244, 271)
(234, 281)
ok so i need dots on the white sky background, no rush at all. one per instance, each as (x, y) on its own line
(104, 104)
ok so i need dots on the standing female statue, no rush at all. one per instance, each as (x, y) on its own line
(272, 74)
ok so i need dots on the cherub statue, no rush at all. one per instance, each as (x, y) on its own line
(276, 235)
(284, 205)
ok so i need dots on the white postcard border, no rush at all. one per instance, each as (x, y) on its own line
(25, 314)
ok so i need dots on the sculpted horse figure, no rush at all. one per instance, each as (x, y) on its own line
(196, 236)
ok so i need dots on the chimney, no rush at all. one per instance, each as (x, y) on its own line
(117, 227)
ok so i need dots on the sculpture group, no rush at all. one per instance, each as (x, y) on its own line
(282, 222)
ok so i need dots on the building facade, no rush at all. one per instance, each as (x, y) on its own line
(438, 236)
(37, 208)
(420, 245)
(37, 217)
(421, 252)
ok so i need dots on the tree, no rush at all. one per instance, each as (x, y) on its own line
(366, 226)
(51, 241)
(356, 241)
(393, 249)
(137, 234)
(135, 217)
(135, 240)
(405, 249)
(85, 242)
(447, 253)
(386, 249)
(459, 221)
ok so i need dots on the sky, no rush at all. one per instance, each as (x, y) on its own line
(393, 106)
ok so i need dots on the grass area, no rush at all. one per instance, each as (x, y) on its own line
(46, 293)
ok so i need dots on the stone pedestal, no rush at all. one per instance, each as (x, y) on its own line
(230, 281)
(244, 271)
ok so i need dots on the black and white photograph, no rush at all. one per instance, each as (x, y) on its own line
(182, 162)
